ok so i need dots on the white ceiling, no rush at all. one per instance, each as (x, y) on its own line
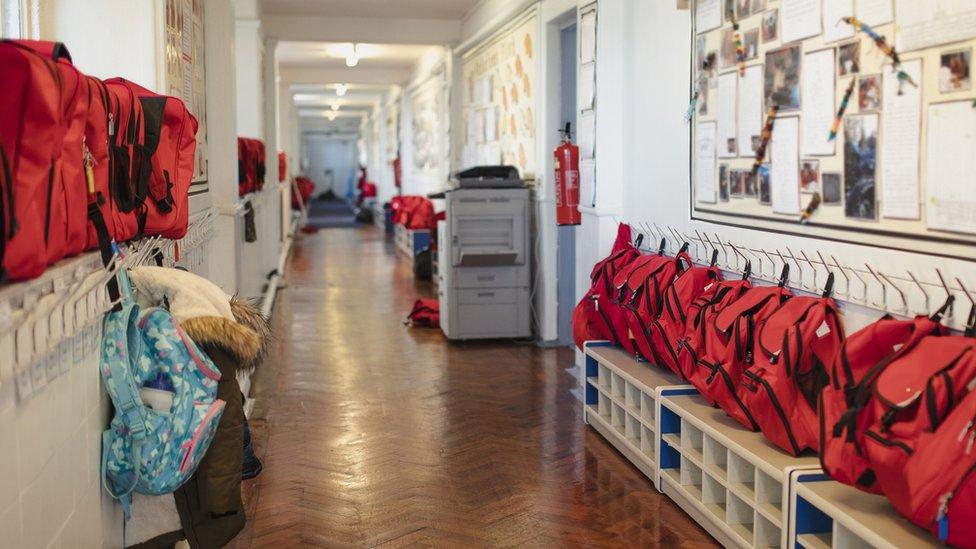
(413, 9)
(333, 55)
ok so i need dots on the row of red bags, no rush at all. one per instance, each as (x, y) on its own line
(84, 161)
(413, 212)
(890, 409)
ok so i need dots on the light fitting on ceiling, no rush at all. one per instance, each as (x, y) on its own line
(331, 115)
(335, 106)
(341, 89)
(352, 59)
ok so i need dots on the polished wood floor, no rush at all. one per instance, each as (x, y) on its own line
(376, 434)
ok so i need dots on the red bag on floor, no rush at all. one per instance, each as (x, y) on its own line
(426, 313)
(843, 410)
(590, 322)
(782, 388)
(32, 131)
(169, 148)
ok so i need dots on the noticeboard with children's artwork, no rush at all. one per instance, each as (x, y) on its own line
(185, 72)
(499, 100)
(853, 120)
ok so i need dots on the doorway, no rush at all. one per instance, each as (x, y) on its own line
(331, 163)
(566, 235)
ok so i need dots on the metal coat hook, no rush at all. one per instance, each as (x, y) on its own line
(725, 253)
(843, 273)
(677, 238)
(827, 268)
(661, 233)
(901, 293)
(921, 289)
(786, 268)
(969, 296)
(736, 255)
(814, 268)
(950, 299)
(884, 290)
(799, 270)
(762, 272)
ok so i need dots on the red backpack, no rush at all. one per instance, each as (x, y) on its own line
(590, 322)
(664, 333)
(781, 389)
(730, 348)
(168, 154)
(426, 313)
(68, 223)
(120, 226)
(912, 399)
(701, 319)
(843, 411)
(629, 286)
(939, 479)
(32, 132)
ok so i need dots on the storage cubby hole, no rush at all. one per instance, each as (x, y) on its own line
(845, 539)
(632, 401)
(715, 456)
(647, 407)
(691, 478)
(647, 442)
(769, 494)
(713, 496)
(616, 385)
(618, 418)
(691, 440)
(604, 407)
(766, 533)
(603, 376)
(742, 477)
(633, 431)
(739, 515)
(814, 529)
(670, 425)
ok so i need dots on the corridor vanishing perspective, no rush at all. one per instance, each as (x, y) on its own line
(377, 434)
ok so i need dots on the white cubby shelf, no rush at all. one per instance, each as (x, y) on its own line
(830, 514)
(622, 401)
(410, 242)
(729, 479)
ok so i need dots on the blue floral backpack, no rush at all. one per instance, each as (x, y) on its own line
(146, 450)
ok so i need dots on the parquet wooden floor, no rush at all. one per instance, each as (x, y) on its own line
(374, 434)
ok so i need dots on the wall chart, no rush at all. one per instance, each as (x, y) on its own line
(872, 111)
(186, 74)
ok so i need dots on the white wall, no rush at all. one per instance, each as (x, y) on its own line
(433, 70)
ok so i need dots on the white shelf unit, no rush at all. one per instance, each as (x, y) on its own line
(622, 400)
(410, 241)
(729, 479)
(828, 514)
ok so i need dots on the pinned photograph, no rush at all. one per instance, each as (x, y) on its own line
(782, 79)
(700, 52)
(728, 48)
(750, 42)
(809, 176)
(729, 10)
(770, 26)
(860, 164)
(737, 182)
(749, 183)
(744, 8)
(869, 92)
(765, 191)
(848, 60)
(955, 71)
(831, 187)
(703, 100)
(711, 62)
(731, 145)
(723, 182)
(758, 6)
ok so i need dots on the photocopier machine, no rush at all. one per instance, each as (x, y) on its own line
(484, 255)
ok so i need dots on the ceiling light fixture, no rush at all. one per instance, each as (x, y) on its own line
(335, 106)
(331, 115)
(352, 59)
(341, 89)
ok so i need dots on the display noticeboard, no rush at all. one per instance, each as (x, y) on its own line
(186, 73)
(498, 100)
(901, 171)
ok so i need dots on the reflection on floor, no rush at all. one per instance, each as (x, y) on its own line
(326, 214)
(376, 434)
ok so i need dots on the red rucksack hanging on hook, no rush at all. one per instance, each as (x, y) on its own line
(589, 317)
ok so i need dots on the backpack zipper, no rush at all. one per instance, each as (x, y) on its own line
(47, 211)
(777, 407)
(942, 516)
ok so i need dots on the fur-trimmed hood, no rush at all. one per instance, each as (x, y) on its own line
(206, 313)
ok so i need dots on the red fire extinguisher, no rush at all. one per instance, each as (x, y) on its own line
(567, 181)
